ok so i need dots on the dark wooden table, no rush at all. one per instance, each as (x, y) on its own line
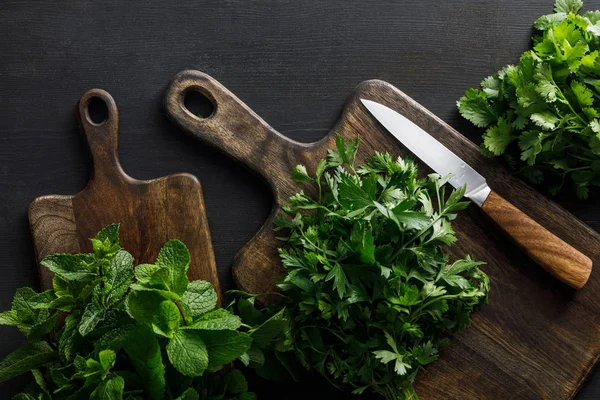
(293, 62)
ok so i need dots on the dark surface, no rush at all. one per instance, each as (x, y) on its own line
(292, 62)
(531, 319)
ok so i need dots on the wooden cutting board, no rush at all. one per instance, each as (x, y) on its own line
(150, 212)
(537, 338)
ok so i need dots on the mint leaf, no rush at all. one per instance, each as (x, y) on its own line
(224, 346)
(189, 394)
(152, 275)
(107, 359)
(94, 312)
(200, 297)
(30, 356)
(175, 256)
(143, 350)
(69, 338)
(119, 276)
(106, 242)
(151, 309)
(72, 266)
(216, 320)
(109, 389)
(265, 333)
(188, 353)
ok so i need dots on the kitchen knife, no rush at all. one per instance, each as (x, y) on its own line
(549, 251)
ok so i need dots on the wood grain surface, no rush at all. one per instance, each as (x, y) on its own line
(293, 62)
(150, 212)
(550, 252)
(532, 319)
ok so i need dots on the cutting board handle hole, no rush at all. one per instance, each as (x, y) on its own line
(96, 111)
(198, 104)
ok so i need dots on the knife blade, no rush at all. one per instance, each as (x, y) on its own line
(549, 251)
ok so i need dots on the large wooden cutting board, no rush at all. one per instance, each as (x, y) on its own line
(537, 338)
(150, 212)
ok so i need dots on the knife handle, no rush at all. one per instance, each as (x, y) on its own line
(549, 251)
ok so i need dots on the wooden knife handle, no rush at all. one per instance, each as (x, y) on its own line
(549, 251)
(232, 127)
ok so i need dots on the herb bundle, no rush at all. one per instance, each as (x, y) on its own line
(369, 294)
(542, 115)
(128, 333)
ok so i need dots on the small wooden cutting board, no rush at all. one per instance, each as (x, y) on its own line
(150, 212)
(537, 338)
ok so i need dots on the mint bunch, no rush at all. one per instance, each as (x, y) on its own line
(370, 294)
(108, 330)
(543, 114)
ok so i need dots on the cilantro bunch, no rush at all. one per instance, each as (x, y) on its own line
(109, 331)
(542, 115)
(370, 295)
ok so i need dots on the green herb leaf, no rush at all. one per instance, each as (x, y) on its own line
(224, 346)
(188, 353)
(175, 256)
(26, 358)
(200, 297)
(216, 320)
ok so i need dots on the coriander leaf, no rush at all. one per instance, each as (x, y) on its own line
(473, 107)
(584, 96)
(498, 137)
(531, 145)
(568, 6)
(547, 21)
(188, 353)
(30, 356)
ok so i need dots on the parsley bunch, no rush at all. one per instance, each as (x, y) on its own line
(369, 294)
(125, 333)
(542, 115)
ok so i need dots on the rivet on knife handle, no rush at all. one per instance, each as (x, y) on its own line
(549, 251)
